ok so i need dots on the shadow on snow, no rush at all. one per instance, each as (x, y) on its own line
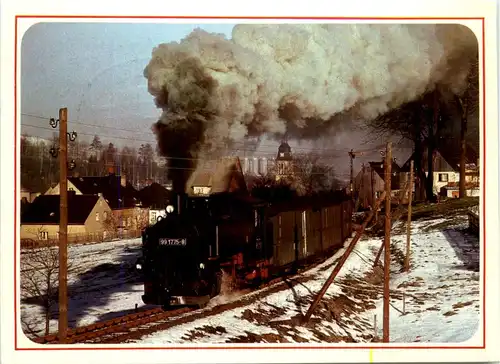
(466, 247)
(96, 288)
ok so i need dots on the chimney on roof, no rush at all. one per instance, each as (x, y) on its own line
(123, 180)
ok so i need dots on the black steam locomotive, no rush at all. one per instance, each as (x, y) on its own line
(185, 253)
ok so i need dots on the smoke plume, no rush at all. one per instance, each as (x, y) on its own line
(304, 80)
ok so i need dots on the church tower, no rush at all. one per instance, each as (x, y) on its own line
(284, 161)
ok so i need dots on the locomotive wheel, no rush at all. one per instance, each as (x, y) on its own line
(219, 283)
(201, 305)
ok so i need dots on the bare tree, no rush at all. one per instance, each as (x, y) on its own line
(468, 103)
(142, 219)
(313, 174)
(39, 282)
(110, 223)
(421, 121)
(268, 187)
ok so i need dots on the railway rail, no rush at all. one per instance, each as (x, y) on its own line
(136, 325)
(113, 326)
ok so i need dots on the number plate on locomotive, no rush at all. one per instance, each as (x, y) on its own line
(173, 242)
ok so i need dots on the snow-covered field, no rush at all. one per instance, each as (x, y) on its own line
(442, 301)
(440, 294)
(102, 284)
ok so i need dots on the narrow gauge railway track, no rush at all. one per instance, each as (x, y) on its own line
(116, 325)
(134, 326)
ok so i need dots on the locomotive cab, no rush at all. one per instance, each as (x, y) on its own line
(178, 264)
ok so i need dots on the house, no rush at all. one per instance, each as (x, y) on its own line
(86, 215)
(27, 195)
(121, 196)
(224, 175)
(156, 198)
(369, 182)
(446, 165)
(452, 189)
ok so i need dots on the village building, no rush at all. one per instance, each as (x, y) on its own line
(446, 168)
(369, 183)
(27, 196)
(223, 175)
(120, 195)
(86, 216)
(156, 198)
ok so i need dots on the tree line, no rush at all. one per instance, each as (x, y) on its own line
(40, 170)
(309, 174)
(441, 113)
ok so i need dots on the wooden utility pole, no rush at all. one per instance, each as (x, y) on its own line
(351, 184)
(342, 260)
(63, 224)
(387, 240)
(408, 223)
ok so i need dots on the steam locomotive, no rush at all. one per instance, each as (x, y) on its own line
(185, 253)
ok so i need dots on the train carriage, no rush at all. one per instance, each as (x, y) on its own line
(184, 254)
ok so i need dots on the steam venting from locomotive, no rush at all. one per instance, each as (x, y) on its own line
(304, 80)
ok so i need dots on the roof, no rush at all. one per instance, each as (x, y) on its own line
(110, 187)
(219, 176)
(284, 149)
(449, 149)
(378, 167)
(155, 195)
(45, 209)
(456, 185)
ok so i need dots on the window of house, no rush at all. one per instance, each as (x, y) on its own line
(443, 177)
(105, 215)
(96, 216)
(43, 235)
(70, 189)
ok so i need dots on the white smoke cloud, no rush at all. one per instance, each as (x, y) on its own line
(302, 79)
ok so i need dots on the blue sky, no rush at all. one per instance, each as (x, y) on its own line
(96, 71)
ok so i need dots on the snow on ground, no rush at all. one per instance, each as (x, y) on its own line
(273, 317)
(441, 294)
(442, 301)
(102, 283)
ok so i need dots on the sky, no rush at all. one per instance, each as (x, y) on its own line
(96, 71)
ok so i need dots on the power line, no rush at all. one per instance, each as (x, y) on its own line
(236, 149)
(153, 141)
